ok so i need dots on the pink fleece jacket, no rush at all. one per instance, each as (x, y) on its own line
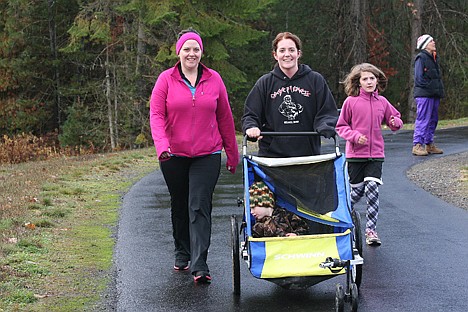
(189, 125)
(363, 115)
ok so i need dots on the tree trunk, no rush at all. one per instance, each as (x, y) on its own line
(53, 50)
(109, 102)
(358, 13)
(141, 92)
(116, 107)
(140, 45)
(416, 27)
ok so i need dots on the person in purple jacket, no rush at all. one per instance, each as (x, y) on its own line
(359, 123)
(428, 90)
(191, 122)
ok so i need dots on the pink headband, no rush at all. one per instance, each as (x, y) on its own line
(188, 36)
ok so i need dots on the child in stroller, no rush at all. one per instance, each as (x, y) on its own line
(271, 219)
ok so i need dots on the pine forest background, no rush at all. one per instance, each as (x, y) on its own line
(80, 73)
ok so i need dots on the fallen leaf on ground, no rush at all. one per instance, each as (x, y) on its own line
(30, 225)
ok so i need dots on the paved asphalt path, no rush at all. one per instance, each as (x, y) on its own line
(422, 264)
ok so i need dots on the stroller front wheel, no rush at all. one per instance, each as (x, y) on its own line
(354, 293)
(339, 298)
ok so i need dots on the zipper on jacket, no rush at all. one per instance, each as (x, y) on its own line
(371, 134)
(193, 122)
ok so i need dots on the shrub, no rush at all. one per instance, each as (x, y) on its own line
(25, 147)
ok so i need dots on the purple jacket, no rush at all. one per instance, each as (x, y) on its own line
(363, 115)
(189, 125)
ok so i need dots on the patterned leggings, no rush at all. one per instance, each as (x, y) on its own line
(371, 190)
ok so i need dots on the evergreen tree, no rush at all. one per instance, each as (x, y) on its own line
(27, 97)
(88, 67)
(135, 40)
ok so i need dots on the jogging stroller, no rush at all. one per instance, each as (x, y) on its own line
(316, 188)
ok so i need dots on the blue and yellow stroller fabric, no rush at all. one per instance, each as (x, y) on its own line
(315, 188)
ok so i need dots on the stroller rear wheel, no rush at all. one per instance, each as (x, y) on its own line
(358, 241)
(235, 255)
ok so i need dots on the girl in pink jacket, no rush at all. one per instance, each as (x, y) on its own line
(362, 115)
(191, 122)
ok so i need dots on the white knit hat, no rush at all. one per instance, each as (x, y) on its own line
(423, 41)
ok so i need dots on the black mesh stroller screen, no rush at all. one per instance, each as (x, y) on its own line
(311, 187)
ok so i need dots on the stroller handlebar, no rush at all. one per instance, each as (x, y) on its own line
(289, 133)
(282, 133)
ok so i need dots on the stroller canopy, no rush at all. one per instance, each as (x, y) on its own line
(313, 187)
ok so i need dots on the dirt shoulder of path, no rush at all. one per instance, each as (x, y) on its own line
(444, 177)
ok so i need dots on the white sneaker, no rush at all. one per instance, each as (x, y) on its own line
(372, 239)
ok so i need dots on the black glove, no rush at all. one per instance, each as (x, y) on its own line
(252, 139)
(327, 133)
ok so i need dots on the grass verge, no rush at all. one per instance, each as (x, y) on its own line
(57, 220)
(443, 124)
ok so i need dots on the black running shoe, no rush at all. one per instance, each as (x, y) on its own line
(181, 265)
(202, 277)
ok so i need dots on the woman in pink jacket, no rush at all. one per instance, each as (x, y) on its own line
(191, 122)
(362, 115)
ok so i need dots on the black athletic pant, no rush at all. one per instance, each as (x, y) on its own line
(191, 183)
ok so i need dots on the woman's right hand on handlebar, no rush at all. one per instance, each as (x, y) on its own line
(253, 133)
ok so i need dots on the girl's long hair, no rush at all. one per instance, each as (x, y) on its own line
(351, 82)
